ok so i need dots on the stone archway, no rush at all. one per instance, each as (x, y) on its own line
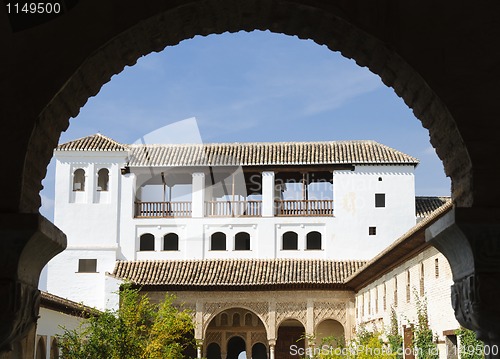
(329, 332)
(291, 342)
(449, 83)
(235, 322)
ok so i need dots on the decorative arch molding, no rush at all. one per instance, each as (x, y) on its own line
(324, 23)
(329, 310)
(211, 310)
(291, 310)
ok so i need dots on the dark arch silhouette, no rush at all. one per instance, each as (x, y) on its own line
(235, 346)
(457, 105)
(213, 351)
(259, 351)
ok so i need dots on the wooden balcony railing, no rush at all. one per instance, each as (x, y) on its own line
(304, 208)
(283, 208)
(162, 209)
(233, 208)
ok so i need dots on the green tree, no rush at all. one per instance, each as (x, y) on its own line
(423, 338)
(139, 329)
(470, 347)
(366, 345)
(394, 338)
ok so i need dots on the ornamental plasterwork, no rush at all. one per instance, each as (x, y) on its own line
(259, 337)
(291, 310)
(242, 335)
(213, 337)
(329, 310)
(259, 308)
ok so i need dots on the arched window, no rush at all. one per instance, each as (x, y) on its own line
(103, 179)
(171, 242)
(313, 240)
(79, 180)
(236, 320)
(248, 319)
(436, 268)
(290, 241)
(223, 319)
(54, 349)
(40, 349)
(147, 242)
(242, 241)
(218, 241)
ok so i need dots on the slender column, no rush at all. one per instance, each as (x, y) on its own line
(267, 194)
(470, 239)
(310, 339)
(199, 346)
(198, 195)
(272, 344)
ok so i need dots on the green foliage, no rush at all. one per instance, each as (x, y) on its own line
(366, 345)
(139, 329)
(394, 338)
(470, 347)
(423, 338)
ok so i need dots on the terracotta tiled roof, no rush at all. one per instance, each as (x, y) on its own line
(53, 302)
(235, 273)
(424, 206)
(271, 153)
(95, 142)
(246, 154)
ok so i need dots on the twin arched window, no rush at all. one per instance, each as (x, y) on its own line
(170, 242)
(102, 179)
(290, 240)
(241, 241)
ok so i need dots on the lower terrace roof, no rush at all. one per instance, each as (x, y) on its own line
(236, 274)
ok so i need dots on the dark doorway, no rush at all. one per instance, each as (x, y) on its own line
(259, 351)
(235, 346)
(290, 343)
(213, 351)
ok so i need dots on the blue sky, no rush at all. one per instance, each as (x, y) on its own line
(256, 86)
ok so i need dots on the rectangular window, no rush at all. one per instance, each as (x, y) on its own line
(372, 231)
(379, 199)
(87, 265)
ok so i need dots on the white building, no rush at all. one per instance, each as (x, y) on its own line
(279, 230)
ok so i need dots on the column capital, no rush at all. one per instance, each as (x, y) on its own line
(28, 242)
(470, 239)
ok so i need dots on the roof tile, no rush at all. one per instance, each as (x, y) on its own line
(235, 272)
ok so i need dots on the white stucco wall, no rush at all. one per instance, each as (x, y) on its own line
(52, 323)
(101, 225)
(436, 290)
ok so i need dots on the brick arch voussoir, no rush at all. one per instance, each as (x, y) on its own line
(324, 26)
